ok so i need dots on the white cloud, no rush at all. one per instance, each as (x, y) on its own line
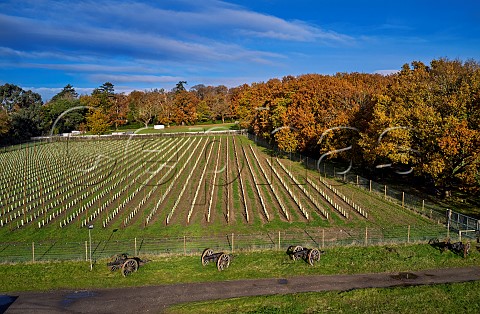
(386, 72)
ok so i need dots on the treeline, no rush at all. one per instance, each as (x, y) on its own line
(422, 121)
(24, 115)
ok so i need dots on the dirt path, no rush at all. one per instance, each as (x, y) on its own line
(154, 299)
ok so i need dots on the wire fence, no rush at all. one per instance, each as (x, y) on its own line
(465, 226)
(188, 245)
(343, 175)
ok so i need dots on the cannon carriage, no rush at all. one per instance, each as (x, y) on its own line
(311, 256)
(221, 259)
(126, 264)
(458, 248)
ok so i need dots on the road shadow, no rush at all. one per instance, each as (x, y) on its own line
(6, 301)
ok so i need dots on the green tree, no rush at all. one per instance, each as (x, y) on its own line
(13, 97)
(180, 87)
(63, 104)
(68, 92)
(21, 113)
(104, 96)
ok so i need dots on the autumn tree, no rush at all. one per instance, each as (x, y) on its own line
(213, 102)
(118, 110)
(4, 122)
(145, 108)
(97, 122)
(164, 105)
(425, 120)
(220, 107)
(185, 104)
(204, 96)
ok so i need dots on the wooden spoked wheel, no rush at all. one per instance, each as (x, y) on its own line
(206, 252)
(114, 267)
(130, 266)
(296, 249)
(313, 256)
(223, 262)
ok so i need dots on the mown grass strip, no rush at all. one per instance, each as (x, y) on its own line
(445, 298)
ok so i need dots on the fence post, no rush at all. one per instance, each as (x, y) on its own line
(357, 180)
(403, 199)
(184, 245)
(323, 238)
(232, 241)
(135, 246)
(449, 216)
(385, 191)
(408, 234)
(366, 236)
(279, 240)
(33, 251)
(370, 189)
(86, 250)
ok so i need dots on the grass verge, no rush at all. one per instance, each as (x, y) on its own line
(445, 298)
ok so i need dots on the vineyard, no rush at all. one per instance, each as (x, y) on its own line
(170, 186)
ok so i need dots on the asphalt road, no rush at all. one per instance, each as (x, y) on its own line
(154, 299)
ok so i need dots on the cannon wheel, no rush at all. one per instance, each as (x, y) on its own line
(130, 266)
(113, 267)
(313, 256)
(466, 250)
(206, 252)
(223, 262)
(297, 248)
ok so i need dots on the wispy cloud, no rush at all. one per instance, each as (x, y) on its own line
(149, 30)
(135, 78)
(149, 43)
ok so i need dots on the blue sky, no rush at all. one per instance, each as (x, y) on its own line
(138, 45)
